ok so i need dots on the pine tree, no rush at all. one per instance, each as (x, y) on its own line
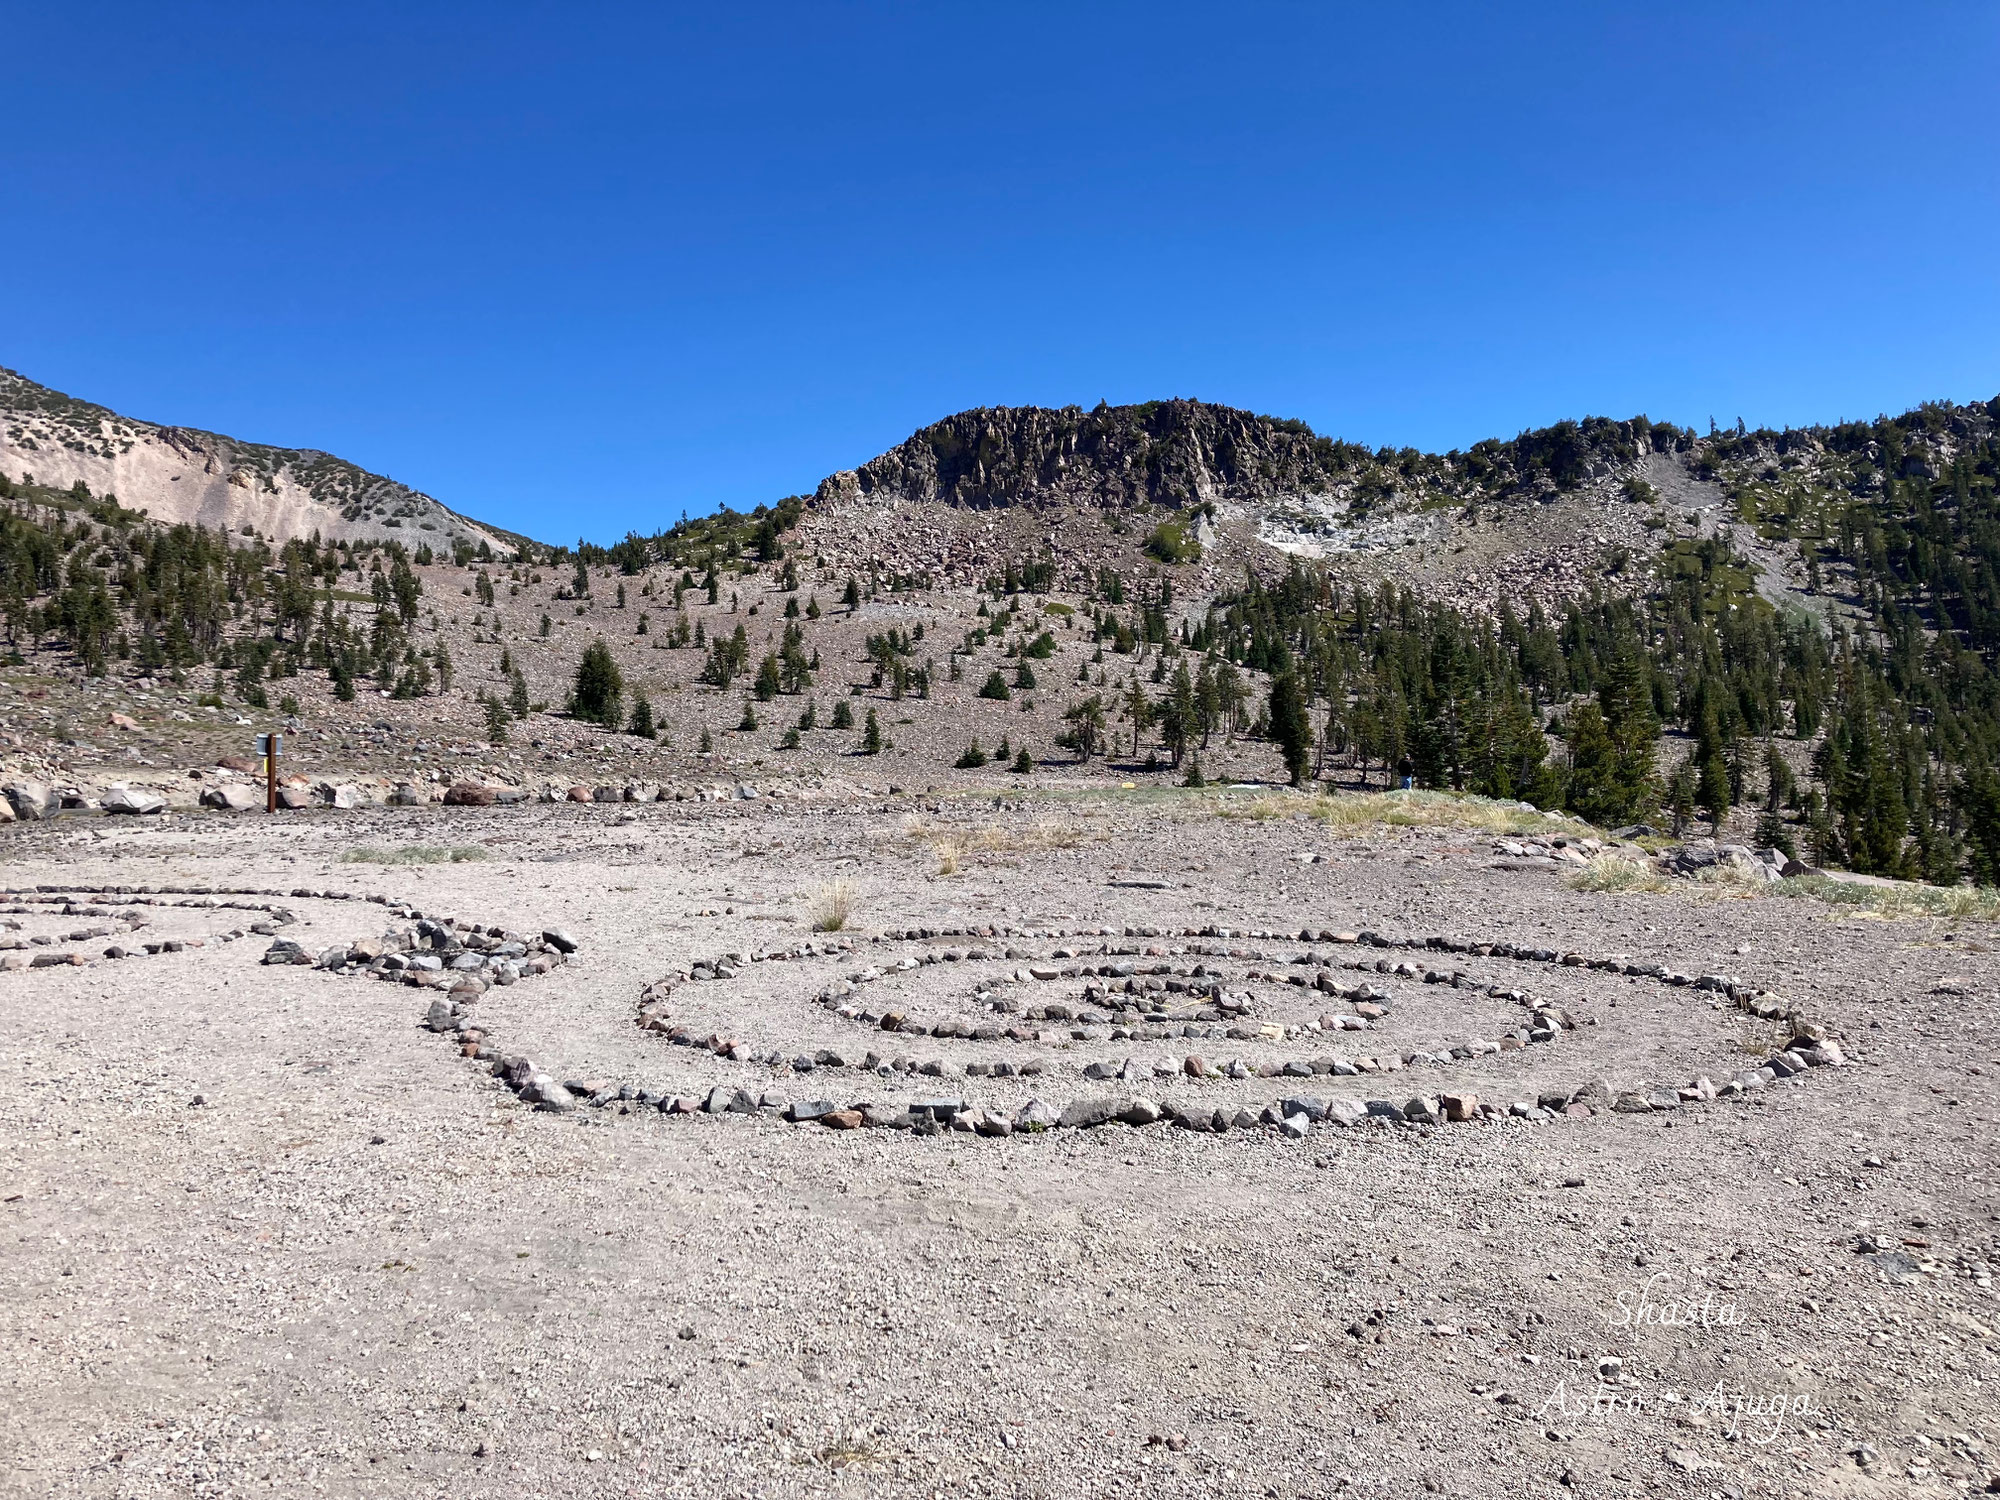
(1290, 726)
(642, 719)
(843, 716)
(871, 735)
(1594, 793)
(517, 695)
(600, 687)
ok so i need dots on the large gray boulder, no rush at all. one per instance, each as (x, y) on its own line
(31, 800)
(232, 796)
(136, 800)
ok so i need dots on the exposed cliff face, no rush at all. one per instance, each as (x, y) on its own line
(179, 474)
(1176, 453)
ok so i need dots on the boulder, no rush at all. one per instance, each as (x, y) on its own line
(1141, 1112)
(31, 800)
(294, 797)
(1346, 1111)
(232, 796)
(343, 794)
(137, 801)
(1082, 1114)
(406, 794)
(608, 794)
(579, 794)
(1035, 1115)
(470, 794)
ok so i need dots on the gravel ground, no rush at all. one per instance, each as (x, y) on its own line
(360, 1266)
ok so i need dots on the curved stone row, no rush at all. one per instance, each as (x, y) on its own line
(1547, 1022)
(1810, 1047)
(26, 903)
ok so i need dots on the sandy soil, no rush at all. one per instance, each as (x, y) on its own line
(360, 1266)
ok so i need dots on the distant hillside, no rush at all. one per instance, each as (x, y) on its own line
(1159, 452)
(1183, 453)
(181, 474)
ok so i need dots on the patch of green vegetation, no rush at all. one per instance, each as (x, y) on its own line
(1173, 542)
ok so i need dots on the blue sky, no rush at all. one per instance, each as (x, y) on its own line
(576, 269)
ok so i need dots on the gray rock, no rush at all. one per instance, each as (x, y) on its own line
(809, 1109)
(1382, 1109)
(1295, 1127)
(134, 800)
(1035, 1115)
(285, 951)
(31, 800)
(1083, 1114)
(545, 1093)
(1346, 1111)
(1313, 1109)
(1141, 1112)
(559, 939)
(232, 796)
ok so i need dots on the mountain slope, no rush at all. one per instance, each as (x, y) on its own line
(181, 474)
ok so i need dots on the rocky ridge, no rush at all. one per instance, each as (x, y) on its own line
(184, 475)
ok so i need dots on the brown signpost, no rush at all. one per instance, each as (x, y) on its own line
(268, 746)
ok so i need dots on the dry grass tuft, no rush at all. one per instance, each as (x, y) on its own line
(416, 854)
(948, 852)
(1976, 903)
(1615, 872)
(833, 906)
(1356, 811)
(1618, 873)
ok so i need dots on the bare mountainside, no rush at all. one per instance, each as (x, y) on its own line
(181, 474)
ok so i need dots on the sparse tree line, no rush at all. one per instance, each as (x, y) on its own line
(114, 587)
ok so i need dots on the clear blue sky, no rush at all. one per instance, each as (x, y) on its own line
(576, 268)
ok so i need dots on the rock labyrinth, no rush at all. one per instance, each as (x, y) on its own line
(1037, 1005)
(1037, 1008)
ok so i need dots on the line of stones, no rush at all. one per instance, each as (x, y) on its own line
(1810, 1048)
(439, 951)
(1548, 1023)
(26, 903)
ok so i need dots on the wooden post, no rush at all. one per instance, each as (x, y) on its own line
(269, 743)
